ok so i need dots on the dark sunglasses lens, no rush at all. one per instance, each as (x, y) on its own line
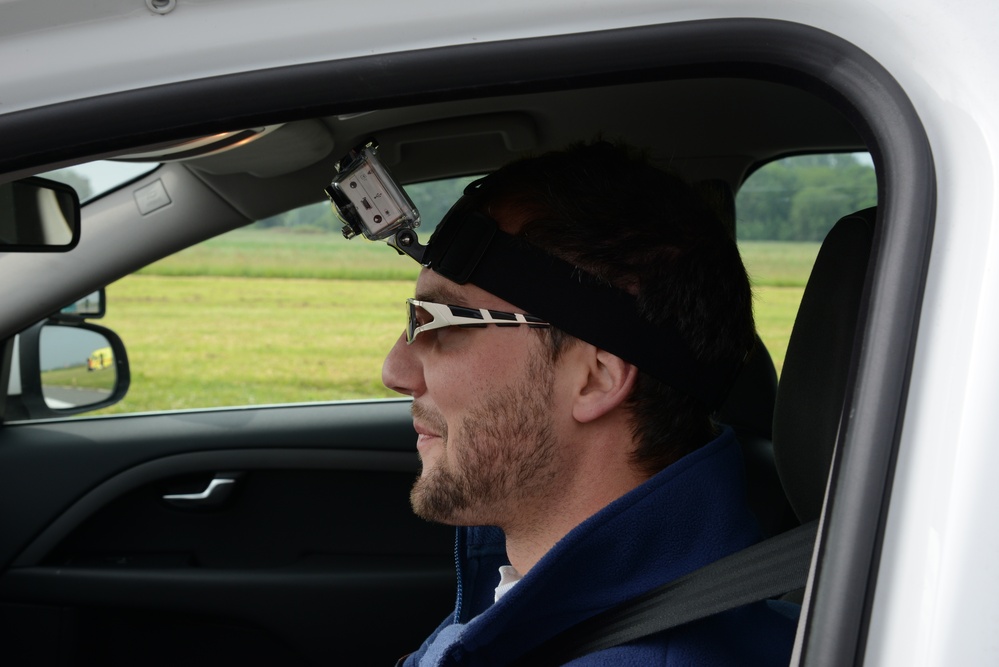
(410, 322)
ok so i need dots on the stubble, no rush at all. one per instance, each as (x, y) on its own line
(503, 455)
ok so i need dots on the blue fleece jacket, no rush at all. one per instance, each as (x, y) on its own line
(690, 514)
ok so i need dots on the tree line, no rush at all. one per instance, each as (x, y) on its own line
(432, 200)
(793, 199)
(801, 198)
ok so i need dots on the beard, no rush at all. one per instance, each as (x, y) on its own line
(503, 454)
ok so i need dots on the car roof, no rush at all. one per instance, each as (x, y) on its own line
(65, 51)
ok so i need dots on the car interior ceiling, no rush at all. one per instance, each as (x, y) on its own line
(712, 128)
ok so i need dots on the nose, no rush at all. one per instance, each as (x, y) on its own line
(402, 371)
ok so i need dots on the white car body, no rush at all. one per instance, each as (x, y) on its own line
(937, 585)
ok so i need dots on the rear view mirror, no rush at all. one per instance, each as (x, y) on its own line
(90, 307)
(38, 215)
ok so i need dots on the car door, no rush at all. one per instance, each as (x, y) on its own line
(277, 535)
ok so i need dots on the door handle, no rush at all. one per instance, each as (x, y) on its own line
(214, 495)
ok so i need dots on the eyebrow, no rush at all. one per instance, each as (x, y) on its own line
(443, 294)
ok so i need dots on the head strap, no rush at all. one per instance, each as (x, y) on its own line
(469, 247)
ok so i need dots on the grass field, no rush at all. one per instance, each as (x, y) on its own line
(260, 317)
(78, 377)
(778, 264)
(280, 253)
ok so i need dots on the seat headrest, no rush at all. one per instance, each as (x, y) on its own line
(749, 406)
(718, 195)
(813, 380)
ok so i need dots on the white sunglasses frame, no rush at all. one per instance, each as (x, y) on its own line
(444, 315)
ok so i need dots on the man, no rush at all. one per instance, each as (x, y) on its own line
(563, 380)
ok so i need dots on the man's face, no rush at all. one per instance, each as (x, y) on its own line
(484, 406)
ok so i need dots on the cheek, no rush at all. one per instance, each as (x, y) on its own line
(461, 381)
(455, 384)
(457, 394)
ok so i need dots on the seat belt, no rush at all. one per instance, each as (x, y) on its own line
(763, 571)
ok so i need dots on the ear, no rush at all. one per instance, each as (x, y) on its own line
(608, 383)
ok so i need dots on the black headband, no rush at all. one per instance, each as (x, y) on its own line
(469, 247)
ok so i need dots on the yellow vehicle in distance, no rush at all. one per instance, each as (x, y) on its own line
(100, 359)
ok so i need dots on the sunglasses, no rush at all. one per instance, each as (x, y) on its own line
(442, 315)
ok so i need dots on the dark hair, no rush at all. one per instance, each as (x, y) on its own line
(608, 211)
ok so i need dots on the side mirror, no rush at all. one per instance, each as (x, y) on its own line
(66, 368)
(38, 215)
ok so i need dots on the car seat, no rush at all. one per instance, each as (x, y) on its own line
(749, 405)
(817, 365)
(788, 458)
(749, 411)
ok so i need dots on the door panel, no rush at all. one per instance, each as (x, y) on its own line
(314, 557)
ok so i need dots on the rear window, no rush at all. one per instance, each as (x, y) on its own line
(783, 211)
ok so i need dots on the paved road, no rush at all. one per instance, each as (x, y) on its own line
(71, 397)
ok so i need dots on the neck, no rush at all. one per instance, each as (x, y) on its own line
(592, 485)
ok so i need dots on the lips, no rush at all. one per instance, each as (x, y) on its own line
(422, 430)
(424, 436)
(425, 424)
